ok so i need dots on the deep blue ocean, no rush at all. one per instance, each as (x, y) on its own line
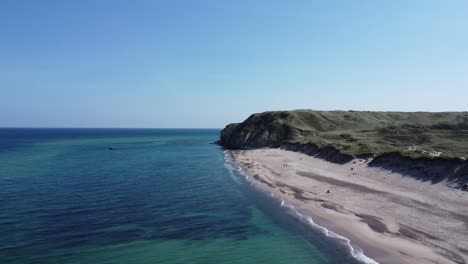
(140, 196)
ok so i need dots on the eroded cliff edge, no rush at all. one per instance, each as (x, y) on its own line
(429, 146)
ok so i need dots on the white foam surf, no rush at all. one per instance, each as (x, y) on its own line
(356, 252)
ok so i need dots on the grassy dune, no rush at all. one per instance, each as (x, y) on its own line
(413, 134)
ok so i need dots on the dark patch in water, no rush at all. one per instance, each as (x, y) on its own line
(85, 197)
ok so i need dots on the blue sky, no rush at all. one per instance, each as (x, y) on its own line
(112, 63)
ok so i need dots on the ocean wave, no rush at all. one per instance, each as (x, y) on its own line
(356, 252)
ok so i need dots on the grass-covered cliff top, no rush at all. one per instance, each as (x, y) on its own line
(414, 134)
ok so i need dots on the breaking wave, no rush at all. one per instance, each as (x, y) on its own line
(356, 252)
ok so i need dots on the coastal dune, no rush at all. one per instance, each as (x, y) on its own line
(393, 217)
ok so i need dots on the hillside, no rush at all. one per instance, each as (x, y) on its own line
(356, 133)
(428, 146)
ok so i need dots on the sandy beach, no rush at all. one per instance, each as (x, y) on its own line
(392, 217)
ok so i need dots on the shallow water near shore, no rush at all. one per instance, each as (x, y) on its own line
(140, 196)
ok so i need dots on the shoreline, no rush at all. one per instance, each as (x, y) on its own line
(294, 210)
(391, 217)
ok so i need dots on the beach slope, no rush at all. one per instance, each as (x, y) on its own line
(392, 217)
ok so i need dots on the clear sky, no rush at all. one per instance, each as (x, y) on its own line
(111, 63)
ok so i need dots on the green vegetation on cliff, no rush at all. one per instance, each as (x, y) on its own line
(412, 134)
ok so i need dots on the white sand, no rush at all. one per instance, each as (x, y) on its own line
(392, 217)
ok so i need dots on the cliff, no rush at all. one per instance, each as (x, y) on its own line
(429, 146)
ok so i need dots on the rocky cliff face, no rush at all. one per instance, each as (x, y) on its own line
(256, 132)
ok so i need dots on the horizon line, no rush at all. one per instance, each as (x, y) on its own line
(181, 128)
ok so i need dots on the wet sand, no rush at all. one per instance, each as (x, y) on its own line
(394, 218)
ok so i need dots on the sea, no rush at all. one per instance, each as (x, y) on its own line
(144, 196)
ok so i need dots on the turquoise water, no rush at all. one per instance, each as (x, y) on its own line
(140, 196)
